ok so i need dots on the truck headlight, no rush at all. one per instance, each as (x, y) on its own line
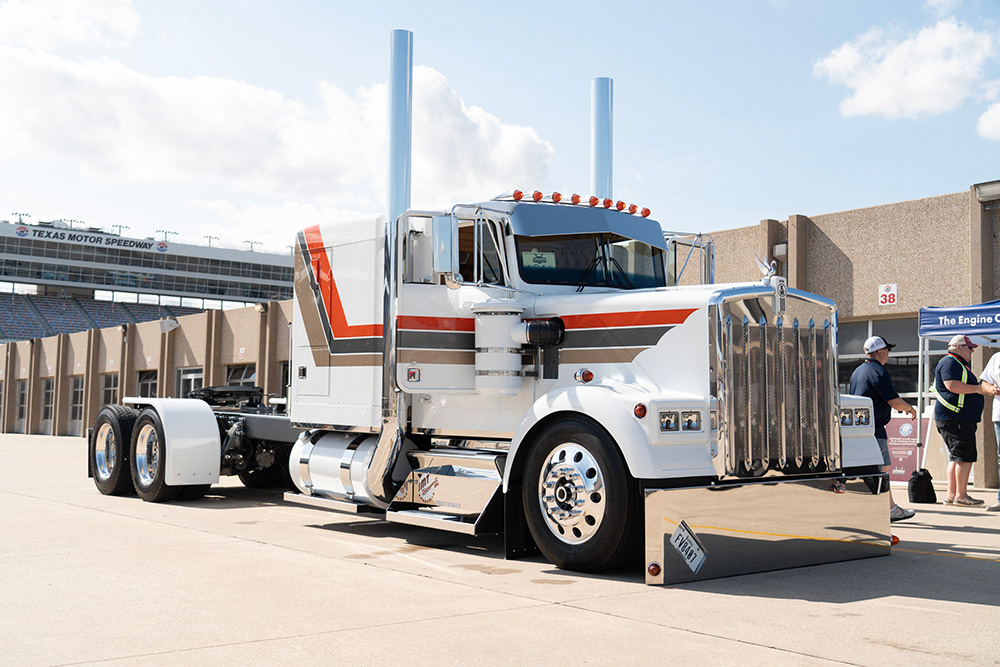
(846, 417)
(670, 420)
(691, 420)
(862, 417)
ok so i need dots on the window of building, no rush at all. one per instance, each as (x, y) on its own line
(241, 375)
(21, 415)
(76, 405)
(188, 379)
(48, 396)
(147, 384)
(109, 388)
(904, 362)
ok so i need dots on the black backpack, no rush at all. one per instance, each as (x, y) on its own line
(920, 487)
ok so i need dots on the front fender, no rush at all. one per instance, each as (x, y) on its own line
(191, 435)
(612, 408)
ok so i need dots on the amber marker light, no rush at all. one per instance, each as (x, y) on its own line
(632, 208)
(556, 197)
(536, 195)
(575, 199)
(620, 206)
(645, 213)
(518, 195)
(654, 569)
(608, 203)
(594, 201)
(639, 410)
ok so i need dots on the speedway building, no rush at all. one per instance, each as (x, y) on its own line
(111, 316)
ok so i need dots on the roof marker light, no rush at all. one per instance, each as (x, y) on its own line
(632, 208)
(645, 213)
(536, 195)
(608, 203)
(594, 201)
(518, 195)
(620, 206)
(575, 199)
(556, 197)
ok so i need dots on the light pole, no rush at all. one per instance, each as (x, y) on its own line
(21, 217)
(210, 238)
(120, 228)
(165, 233)
(252, 244)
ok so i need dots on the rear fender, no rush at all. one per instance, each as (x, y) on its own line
(193, 448)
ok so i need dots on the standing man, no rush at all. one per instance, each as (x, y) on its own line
(957, 413)
(871, 379)
(990, 380)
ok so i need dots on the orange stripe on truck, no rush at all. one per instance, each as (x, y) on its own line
(638, 318)
(328, 290)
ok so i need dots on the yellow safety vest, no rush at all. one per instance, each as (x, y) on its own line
(961, 397)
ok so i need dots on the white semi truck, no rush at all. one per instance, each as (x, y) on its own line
(527, 365)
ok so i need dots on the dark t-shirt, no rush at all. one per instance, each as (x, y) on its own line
(872, 380)
(971, 405)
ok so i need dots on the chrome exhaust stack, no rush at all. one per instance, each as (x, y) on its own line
(601, 142)
(378, 478)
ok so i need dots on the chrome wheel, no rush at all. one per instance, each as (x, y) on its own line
(147, 454)
(105, 452)
(571, 493)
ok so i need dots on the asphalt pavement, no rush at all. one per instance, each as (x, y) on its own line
(243, 578)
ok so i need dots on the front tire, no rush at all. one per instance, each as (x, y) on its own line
(148, 460)
(581, 505)
(109, 458)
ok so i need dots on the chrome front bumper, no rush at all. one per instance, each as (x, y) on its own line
(708, 532)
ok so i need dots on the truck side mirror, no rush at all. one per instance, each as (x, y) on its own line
(444, 233)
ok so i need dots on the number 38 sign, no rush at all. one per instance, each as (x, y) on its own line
(887, 295)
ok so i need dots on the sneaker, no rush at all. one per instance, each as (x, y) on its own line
(995, 507)
(897, 513)
(948, 501)
(838, 487)
(969, 501)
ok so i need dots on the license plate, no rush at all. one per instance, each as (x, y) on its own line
(687, 545)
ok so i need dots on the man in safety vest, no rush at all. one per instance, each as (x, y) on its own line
(957, 413)
(871, 379)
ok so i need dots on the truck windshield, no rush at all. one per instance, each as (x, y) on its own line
(604, 260)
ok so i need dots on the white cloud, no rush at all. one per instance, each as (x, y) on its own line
(114, 124)
(925, 74)
(941, 7)
(988, 125)
(43, 24)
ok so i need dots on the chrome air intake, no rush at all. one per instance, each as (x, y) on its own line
(774, 373)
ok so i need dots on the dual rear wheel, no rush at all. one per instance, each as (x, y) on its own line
(129, 454)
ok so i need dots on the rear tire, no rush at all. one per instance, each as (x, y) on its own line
(582, 506)
(148, 459)
(109, 458)
(259, 478)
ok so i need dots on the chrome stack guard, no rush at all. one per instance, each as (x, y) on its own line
(760, 525)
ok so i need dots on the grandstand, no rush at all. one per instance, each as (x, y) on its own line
(24, 316)
(54, 279)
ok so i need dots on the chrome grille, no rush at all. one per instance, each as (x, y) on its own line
(777, 392)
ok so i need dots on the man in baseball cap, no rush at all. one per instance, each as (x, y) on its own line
(957, 413)
(876, 343)
(871, 379)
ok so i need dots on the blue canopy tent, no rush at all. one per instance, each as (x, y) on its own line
(980, 322)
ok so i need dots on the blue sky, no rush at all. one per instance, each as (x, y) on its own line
(248, 119)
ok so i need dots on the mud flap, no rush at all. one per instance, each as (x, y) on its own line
(756, 526)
